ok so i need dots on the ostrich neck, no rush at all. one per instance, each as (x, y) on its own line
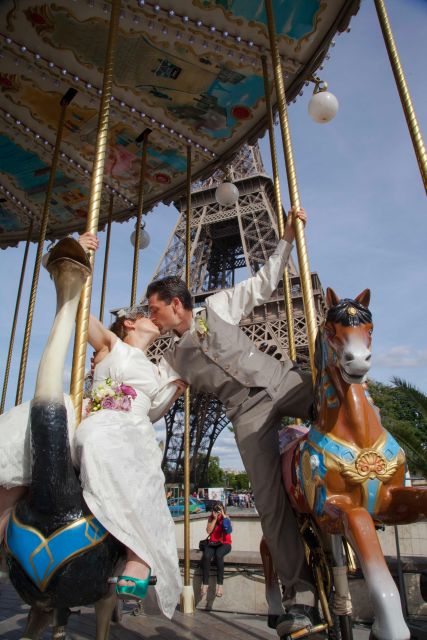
(55, 489)
(49, 384)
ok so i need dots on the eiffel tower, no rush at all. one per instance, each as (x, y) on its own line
(228, 244)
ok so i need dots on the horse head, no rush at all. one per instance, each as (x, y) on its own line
(343, 346)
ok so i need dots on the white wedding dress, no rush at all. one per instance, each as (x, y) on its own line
(119, 461)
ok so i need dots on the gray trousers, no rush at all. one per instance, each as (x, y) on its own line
(256, 425)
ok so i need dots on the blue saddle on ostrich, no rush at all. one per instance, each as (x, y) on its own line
(40, 557)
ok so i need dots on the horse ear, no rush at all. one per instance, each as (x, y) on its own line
(364, 298)
(331, 298)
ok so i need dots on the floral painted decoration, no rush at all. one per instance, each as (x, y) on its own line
(110, 395)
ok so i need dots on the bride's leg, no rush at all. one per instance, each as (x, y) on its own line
(8, 499)
(135, 568)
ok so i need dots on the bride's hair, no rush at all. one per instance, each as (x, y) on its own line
(118, 326)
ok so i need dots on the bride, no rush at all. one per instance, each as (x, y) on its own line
(116, 451)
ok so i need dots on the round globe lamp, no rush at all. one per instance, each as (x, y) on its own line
(144, 238)
(226, 194)
(323, 107)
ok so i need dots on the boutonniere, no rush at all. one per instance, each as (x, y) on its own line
(201, 327)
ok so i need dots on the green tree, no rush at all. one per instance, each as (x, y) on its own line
(237, 481)
(216, 475)
(405, 416)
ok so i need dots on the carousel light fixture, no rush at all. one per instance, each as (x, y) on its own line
(89, 86)
(226, 193)
(144, 237)
(323, 105)
(64, 156)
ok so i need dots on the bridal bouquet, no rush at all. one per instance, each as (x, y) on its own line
(110, 395)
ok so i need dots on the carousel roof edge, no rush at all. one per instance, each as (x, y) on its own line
(69, 215)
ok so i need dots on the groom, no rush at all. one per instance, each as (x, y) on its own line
(213, 355)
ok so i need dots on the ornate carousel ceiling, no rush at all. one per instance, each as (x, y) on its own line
(190, 70)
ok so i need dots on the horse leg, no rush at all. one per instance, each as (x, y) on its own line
(273, 592)
(407, 504)
(104, 610)
(360, 532)
(37, 621)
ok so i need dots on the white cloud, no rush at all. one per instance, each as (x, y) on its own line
(401, 356)
(226, 449)
(160, 429)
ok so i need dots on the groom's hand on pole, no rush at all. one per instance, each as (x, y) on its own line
(293, 214)
(181, 387)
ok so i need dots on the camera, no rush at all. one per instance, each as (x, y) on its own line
(217, 508)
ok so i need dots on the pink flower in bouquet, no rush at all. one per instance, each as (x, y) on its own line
(128, 391)
(109, 403)
(125, 403)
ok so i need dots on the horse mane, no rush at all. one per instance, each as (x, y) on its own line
(339, 313)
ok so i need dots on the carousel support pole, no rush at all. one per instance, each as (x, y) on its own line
(279, 212)
(15, 319)
(187, 596)
(402, 87)
(304, 267)
(65, 101)
(143, 137)
(79, 354)
(106, 257)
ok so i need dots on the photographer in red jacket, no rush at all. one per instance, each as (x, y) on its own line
(218, 545)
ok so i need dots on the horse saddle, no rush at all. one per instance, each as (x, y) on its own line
(41, 557)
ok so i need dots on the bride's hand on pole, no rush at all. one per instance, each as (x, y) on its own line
(89, 241)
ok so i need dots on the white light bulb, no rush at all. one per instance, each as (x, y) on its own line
(144, 238)
(323, 107)
(226, 194)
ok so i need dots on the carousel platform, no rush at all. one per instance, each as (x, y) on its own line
(201, 625)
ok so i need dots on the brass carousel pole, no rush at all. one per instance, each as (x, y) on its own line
(106, 256)
(144, 138)
(187, 596)
(79, 354)
(402, 87)
(15, 319)
(304, 267)
(65, 101)
(279, 212)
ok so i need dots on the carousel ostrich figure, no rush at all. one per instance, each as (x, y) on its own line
(59, 555)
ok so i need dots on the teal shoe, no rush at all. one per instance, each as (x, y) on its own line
(136, 591)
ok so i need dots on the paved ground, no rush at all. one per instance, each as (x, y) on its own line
(200, 626)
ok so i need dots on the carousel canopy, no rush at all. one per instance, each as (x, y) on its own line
(188, 70)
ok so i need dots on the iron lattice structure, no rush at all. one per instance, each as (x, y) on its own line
(227, 245)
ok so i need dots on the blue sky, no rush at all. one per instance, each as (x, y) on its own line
(360, 184)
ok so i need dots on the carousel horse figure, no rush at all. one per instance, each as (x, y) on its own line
(59, 555)
(346, 475)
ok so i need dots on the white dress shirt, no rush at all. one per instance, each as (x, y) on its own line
(234, 304)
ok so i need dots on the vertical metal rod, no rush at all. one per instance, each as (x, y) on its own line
(139, 217)
(304, 267)
(187, 392)
(400, 576)
(279, 212)
(106, 257)
(65, 101)
(15, 319)
(82, 321)
(402, 87)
